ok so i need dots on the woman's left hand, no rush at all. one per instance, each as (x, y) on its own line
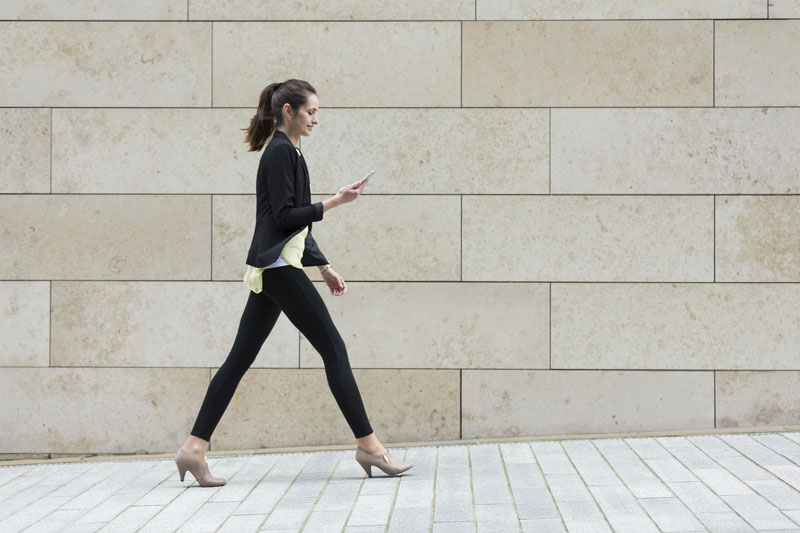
(334, 281)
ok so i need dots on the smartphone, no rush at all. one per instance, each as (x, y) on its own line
(370, 173)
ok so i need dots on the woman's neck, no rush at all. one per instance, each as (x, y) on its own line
(294, 138)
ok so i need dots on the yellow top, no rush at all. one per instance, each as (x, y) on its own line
(292, 252)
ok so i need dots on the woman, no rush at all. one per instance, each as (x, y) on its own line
(282, 245)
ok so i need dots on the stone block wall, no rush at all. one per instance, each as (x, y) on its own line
(584, 218)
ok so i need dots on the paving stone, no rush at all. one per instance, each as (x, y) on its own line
(567, 487)
(582, 516)
(669, 469)
(414, 493)
(453, 506)
(243, 523)
(671, 515)
(132, 518)
(724, 522)
(535, 504)
(406, 519)
(590, 464)
(632, 470)
(542, 525)
(371, 510)
(454, 527)
(721, 481)
(499, 517)
(758, 512)
(490, 490)
(326, 521)
(778, 493)
(622, 510)
(699, 498)
(209, 517)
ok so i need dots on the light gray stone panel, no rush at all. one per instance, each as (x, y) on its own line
(98, 410)
(588, 238)
(757, 238)
(327, 10)
(750, 399)
(24, 323)
(94, 9)
(105, 237)
(620, 9)
(376, 238)
(784, 9)
(513, 403)
(350, 64)
(588, 63)
(445, 151)
(25, 150)
(284, 407)
(91, 64)
(675, 151)
(157, 324)
(676, 326)
(757, 63)
(440, 325)
(152, 151)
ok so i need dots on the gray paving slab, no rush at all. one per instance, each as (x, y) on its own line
(713, 482)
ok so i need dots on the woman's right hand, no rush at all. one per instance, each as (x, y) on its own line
(348, 193)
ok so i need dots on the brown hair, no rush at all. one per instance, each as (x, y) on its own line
(269, 114)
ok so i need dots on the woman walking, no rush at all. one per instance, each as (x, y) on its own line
(282, 245)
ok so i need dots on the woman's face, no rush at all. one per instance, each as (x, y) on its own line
(304, 119)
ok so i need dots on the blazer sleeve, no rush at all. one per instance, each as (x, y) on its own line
(280, 185)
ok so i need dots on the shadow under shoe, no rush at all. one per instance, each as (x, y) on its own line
(199, 470)
(384, 461)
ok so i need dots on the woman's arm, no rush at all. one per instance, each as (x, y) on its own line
(280, 185)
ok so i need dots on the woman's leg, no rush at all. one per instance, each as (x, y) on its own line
(294, 292)
(258, 319)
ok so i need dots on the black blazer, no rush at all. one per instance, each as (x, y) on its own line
(283, 205)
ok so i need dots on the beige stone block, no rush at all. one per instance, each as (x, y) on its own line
(392, 238)
(93, 9)
(95, 64)
(482, 150)
(105, 237)
(784, 9)
(757, 238)
(757, 63)
(440, 325)
(588, 238)
(25, 150)
(757, 399)
(588, 63)
(676, 326)
(234, 221)
(619, 9)
(24, 323)
(511, 403)
(378, 238)
(154, 324)
(326, 10)
(675, 151)
(283, 407)
(152, 151)
(350, 64)
(99, 410)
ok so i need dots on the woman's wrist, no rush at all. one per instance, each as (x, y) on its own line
(330, 203)
(323, 268)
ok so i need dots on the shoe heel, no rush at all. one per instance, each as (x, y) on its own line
(182, 472)
(367, 468)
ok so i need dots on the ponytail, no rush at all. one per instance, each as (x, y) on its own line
(269, 113)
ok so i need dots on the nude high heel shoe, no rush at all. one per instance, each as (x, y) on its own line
(385, 461)
(198, 470)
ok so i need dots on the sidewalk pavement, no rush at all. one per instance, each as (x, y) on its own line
(724, 482)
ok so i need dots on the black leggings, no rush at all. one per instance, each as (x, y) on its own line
(286, 289)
